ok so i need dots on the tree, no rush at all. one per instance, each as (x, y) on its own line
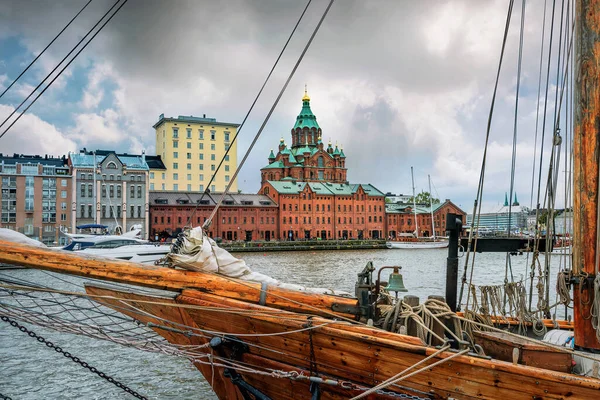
(425, 198)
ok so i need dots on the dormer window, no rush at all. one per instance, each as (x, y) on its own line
(111, 165)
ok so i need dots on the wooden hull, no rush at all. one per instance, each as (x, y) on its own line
(277, 337)
(360, 356)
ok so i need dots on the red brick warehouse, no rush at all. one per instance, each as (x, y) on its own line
(400, 218)
(240, 217)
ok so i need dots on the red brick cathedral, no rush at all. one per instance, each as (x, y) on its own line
(307, 160)
(308, 181)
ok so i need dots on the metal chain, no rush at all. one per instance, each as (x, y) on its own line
(84, 364)
(313, 359)
(393, 394)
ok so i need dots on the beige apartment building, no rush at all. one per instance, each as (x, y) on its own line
(35, 196)
(191, 148)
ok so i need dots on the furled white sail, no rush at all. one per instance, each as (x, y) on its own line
(198, 252)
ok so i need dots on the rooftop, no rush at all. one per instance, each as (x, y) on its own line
(33, 159)
(325, 188)
(86, 159)
(190, 119)
(210, 199)
(155, 162)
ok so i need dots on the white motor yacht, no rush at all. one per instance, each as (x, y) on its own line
(121, 248)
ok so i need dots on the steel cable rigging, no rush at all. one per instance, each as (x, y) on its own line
(291, 75)
(65, 67)
(212, 178)
(45, 48)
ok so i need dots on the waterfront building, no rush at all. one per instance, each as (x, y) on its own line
(158, 172)
(191, 148)
(307, 159)
(35, 196)
(400, 218)
(498, 221)
(241, 216)
(563, 222)
(109, 189)
(309, 210)
(398, 198)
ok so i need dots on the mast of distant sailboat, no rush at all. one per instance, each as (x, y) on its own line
(412, 176)
(431, 207)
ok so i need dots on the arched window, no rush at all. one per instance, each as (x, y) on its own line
(111, 165)
(320, 162)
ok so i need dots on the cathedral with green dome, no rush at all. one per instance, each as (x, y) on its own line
(307, 159)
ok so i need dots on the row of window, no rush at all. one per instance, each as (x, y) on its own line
(111, 177)
(200, 156)
(88, 191)
(87, 211)
(189, 167)
(319, 220)
(163, 186)
(306, 207)
(311, 196)
(32, 169)
(321, 175)
(188, 145)
(188, 134)
(201, 177)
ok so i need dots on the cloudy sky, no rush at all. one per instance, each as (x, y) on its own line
(397, 83)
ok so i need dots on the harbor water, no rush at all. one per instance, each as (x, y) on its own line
(29, 370)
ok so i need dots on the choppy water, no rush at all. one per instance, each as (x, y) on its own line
(29, 370)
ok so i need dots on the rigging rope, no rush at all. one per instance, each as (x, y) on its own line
(291, 75)
(45, 48)
(63, 69)
(514, 143)
(189, 222)
(476, 210)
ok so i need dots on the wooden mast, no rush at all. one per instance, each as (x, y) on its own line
(586, 149)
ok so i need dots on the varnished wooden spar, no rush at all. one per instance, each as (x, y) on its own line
(357, 355)
(586, 152)
(512, 321)
(170, 279)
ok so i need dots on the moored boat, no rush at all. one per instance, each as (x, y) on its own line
(417, 244)
(263, 341)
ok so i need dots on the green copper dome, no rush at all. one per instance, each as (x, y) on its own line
(306, 118)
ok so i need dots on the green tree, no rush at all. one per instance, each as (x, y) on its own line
(543, 218)
(425, 198)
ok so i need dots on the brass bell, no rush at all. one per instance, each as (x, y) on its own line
(396, 284)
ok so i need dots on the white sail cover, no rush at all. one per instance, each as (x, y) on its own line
(13, 236)
(200, 253)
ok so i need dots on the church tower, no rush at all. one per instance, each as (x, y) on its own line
(307, 160)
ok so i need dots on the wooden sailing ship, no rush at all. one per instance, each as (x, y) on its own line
(255, 341)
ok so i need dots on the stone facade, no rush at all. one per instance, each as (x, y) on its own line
(109, 189)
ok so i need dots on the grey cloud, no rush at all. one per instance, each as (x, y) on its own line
(195, 57)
